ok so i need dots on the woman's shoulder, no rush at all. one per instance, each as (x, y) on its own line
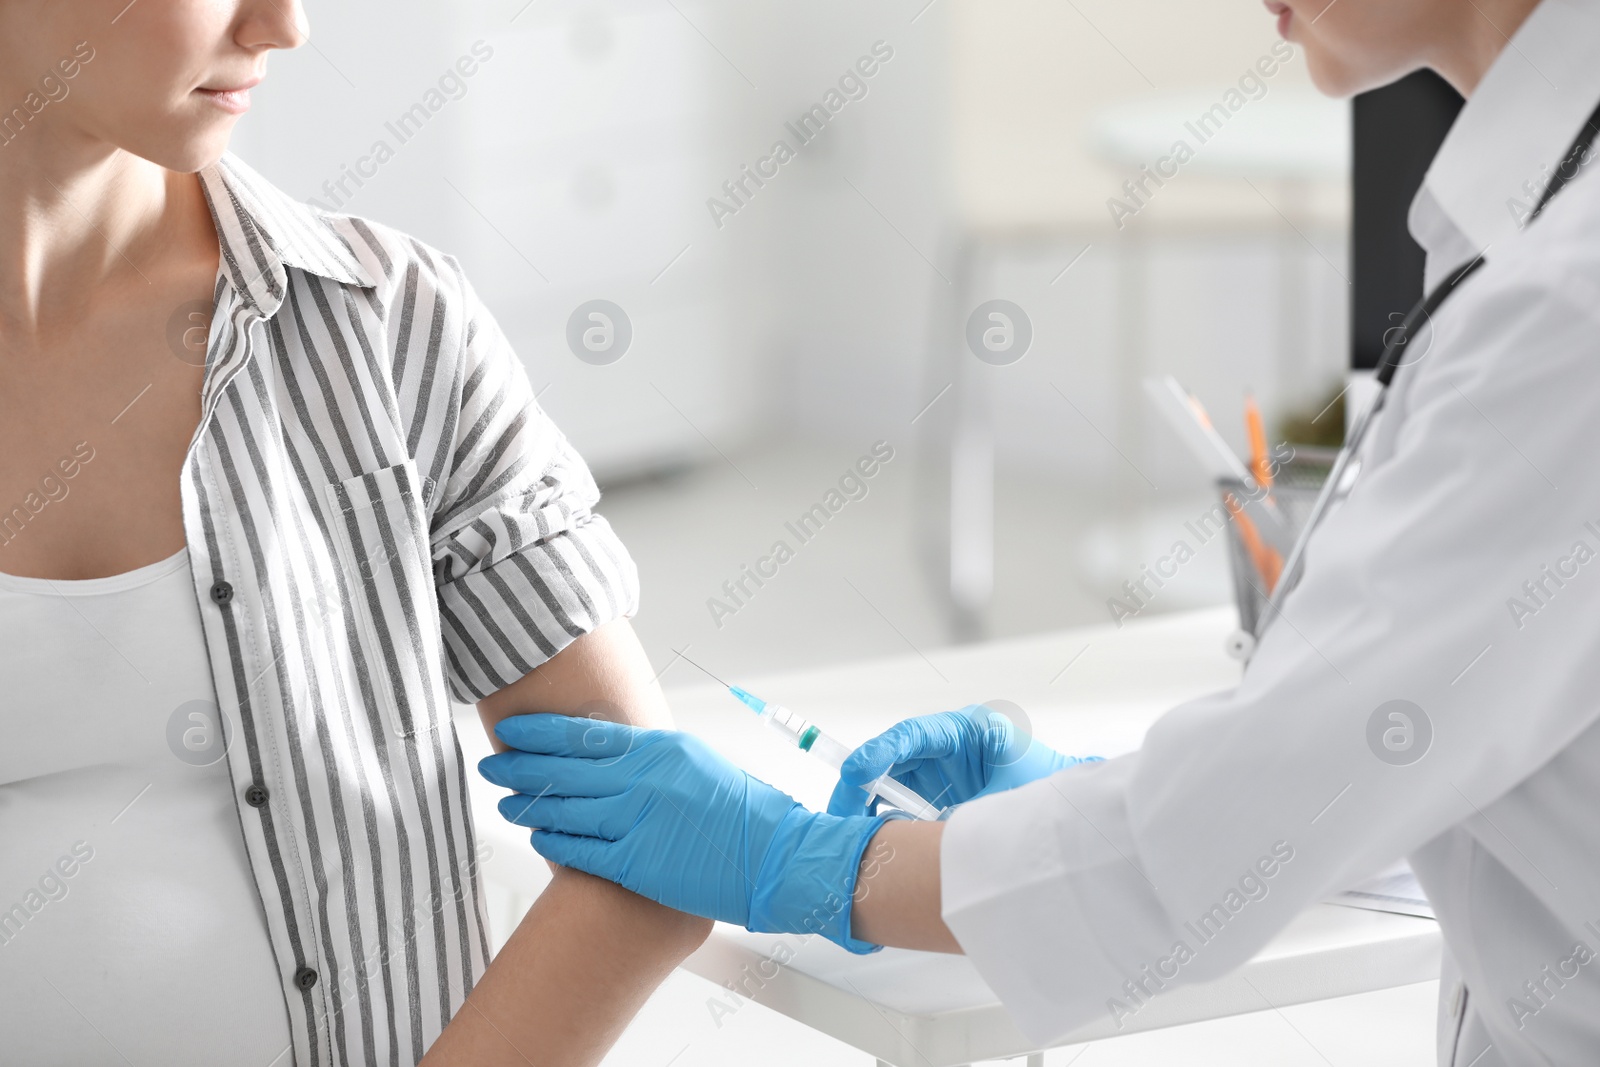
(340, 246)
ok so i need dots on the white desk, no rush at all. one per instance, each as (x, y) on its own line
(913, 1009)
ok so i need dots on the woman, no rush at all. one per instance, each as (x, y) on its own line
(273, 489)
(1427, 689)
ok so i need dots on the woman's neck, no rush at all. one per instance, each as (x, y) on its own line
(76, 219)
(1483, 29)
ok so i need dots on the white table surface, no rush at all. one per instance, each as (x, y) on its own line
(1093, 690)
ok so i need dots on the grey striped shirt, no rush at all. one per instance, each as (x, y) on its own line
(379, 518)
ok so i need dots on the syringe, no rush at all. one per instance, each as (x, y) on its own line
(808, 737)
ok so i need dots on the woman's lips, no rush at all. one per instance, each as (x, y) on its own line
(234, 99)
(1285, 16)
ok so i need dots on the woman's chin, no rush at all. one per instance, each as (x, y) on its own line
(189, 154)
(1339, 80)
(1328, 75)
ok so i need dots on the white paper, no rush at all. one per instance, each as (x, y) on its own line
(1394, 890)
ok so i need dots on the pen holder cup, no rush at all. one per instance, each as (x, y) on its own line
(1295, 487)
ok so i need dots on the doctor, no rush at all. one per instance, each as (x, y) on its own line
(1431, 688)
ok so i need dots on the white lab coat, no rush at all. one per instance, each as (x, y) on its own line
(1462, 575)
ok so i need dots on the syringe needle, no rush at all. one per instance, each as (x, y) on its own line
(702, 670)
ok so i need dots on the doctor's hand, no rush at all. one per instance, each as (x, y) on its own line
(948, 759)
(660, 813)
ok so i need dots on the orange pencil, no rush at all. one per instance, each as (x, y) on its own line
(1268, 561)
(1259, 466)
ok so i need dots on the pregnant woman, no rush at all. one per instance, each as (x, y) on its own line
(273, 491)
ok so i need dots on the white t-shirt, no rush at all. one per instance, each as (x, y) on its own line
(130, 926)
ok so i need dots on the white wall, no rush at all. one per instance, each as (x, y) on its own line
(982, 126)
(323, 107)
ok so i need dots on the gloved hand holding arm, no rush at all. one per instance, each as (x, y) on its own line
(948, 759)
(662, 814)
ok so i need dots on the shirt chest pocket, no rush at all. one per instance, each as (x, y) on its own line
(380, 533)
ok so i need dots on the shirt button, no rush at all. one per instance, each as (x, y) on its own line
(305, 978)
(255, 796)
(222, 593)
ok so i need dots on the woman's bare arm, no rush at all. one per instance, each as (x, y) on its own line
(897, 899)
(588, 953)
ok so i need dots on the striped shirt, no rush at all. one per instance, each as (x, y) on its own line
(379, 518)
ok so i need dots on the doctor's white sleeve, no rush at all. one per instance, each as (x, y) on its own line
(1085, 894)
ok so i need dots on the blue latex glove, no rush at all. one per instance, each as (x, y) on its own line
(660, 813)
(948, 759)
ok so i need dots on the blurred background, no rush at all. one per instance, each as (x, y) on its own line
(783, 326)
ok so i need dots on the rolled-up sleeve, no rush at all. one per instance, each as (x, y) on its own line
(522, 564)
(1044, 889)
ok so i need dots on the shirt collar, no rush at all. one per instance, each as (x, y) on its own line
(1505, 143)
(262, 232)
